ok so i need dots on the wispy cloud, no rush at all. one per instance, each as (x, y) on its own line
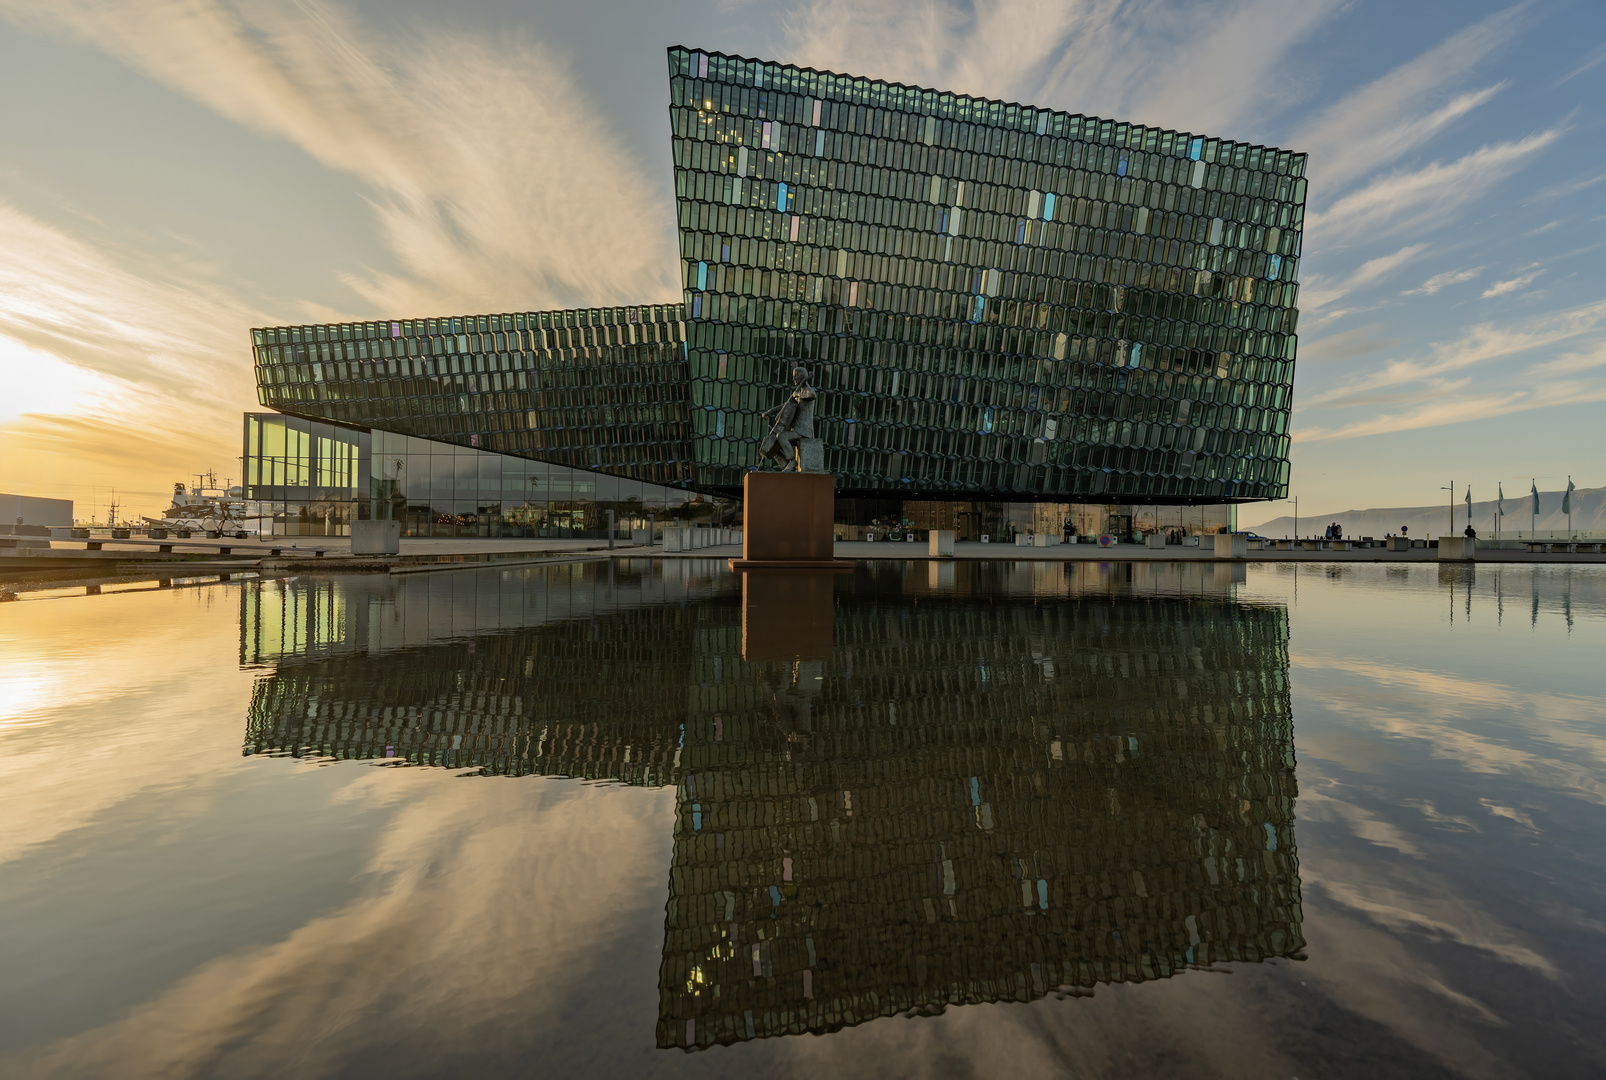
(1567, 187)
(1206, 66)
(1348, 345)
(1484, 342)
(1424, 197)
(1595, 58)
(1511, 285)
(68, 297)
(1319, 294)
(494, 180)
(1442, 281)
(38, 381)
(1399, 112)
(113, 373)
(1439, 389)
(1443, 409)
(1572, 363)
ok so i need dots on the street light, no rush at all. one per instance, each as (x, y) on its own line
(1451, 490)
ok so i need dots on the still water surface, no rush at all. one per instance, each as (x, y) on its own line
(973, 819)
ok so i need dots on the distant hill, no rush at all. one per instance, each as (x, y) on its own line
(1589, 516)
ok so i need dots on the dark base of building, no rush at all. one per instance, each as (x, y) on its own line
(945, 495)
(1000, 521)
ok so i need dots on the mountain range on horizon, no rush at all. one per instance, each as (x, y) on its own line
(1588, 504)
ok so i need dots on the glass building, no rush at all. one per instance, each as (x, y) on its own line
(993, 299)
(999, 305)
(526, 424)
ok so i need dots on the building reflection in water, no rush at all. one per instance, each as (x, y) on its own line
(1006, 780)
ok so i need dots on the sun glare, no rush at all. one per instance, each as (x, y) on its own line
(37, 381)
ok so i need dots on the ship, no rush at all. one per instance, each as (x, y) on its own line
(211, 508)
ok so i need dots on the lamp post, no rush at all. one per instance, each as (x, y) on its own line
(1451, 490)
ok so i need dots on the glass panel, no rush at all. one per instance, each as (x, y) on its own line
(273, 438)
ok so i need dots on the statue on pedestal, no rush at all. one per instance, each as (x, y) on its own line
(791, 442)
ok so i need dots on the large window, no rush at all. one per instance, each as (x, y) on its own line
(305, 478)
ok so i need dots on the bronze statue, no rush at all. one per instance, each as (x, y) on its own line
(794, 422)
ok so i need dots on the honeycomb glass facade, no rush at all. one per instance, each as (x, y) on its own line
(992, 298)
(601, 389)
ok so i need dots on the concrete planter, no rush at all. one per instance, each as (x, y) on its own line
(375, 537)
(1231, 545)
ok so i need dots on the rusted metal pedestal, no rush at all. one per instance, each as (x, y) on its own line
(786, 522)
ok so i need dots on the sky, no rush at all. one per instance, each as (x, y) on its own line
(174, 172)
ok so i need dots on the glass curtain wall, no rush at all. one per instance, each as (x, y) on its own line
(307, 478)
(303, 478)
(436, 489)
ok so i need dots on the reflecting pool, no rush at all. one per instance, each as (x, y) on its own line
(652, 817)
